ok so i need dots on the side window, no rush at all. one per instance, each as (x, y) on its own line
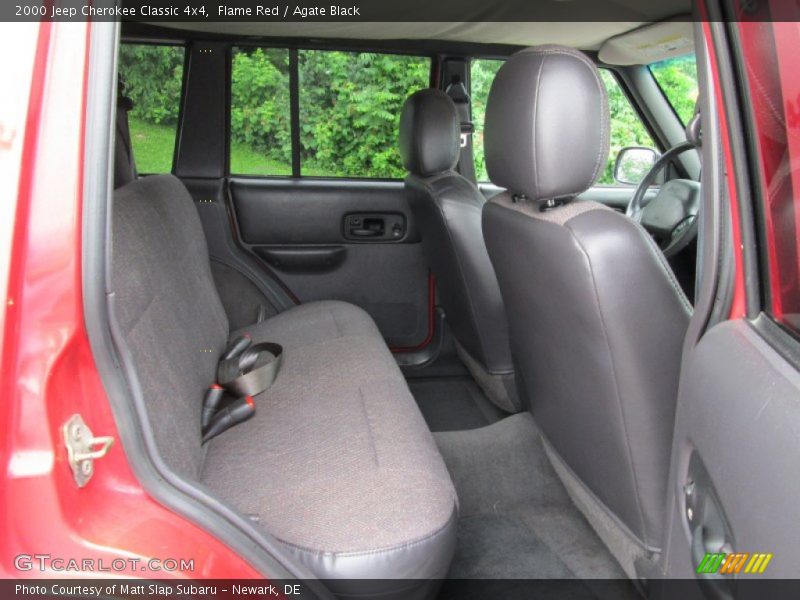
(153, 78)
(482, 72)
(350, 111)
(627, 128)
(261, 137)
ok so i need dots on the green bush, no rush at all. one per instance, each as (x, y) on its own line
(627, 128)
(260, 114)
(677, 77)
(350, 110)
(153, 76)
(482, 74)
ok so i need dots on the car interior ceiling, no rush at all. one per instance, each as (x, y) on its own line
(477, 453)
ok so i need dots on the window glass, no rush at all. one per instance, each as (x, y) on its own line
(350, 111)
(770, 68)
(677, 78)
(627, 128)
(482, 72)
(261, 139)
(153, 78)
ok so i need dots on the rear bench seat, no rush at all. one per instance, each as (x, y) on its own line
(338, 463)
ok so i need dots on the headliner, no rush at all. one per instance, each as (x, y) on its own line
(491, 29)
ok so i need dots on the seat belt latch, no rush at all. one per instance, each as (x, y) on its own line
(236, 412)
(211, 402)
(239, 345)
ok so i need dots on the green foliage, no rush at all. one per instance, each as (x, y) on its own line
(627, 128)
(153, 76)
(350, 110)
(260, 115)
(482, 72)
(677, 78)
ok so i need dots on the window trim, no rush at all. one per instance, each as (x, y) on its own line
(294, 50)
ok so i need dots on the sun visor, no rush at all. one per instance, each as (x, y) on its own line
(649, 44)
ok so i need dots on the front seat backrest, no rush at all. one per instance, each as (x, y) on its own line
(447, 210)
(597, 318)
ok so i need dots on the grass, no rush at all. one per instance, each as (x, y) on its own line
(153, 146)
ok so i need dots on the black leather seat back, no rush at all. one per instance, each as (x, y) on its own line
(597, 319)
(447, 209)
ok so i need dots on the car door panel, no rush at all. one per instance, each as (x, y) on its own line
(299, 229)
(739, 413)
(732, 500)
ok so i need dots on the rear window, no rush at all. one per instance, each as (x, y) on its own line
(348, 104)
(152, 76)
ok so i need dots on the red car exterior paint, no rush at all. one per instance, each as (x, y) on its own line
(47, 370)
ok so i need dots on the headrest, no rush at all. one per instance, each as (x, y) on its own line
(124, 163)
(430, 133)
(547, 131)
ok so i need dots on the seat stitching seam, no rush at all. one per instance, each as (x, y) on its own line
(535, 120)
(405, 545)
(655, 252)
(370, 429)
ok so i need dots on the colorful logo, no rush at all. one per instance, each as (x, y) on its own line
(733, 563)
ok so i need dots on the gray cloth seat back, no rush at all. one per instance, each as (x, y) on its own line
(447, 210)
(597, 318)
(168, 310)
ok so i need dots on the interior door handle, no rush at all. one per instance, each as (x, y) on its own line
(362, 232)
(369, 227)
(712, 540)
(374, 227)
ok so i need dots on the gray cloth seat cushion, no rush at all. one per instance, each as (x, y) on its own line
(337, 463)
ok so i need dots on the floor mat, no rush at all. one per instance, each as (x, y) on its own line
(516, 519)
(453, 404)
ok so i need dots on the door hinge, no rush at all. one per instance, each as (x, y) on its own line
(83, 448)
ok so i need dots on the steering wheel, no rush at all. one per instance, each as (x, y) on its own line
(671, 216)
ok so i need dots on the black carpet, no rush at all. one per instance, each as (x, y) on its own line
(453, 404)
(516, 519)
